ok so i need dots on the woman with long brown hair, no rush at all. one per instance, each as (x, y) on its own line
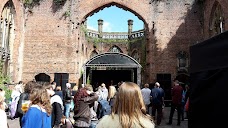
(39, 112)
(129, 110)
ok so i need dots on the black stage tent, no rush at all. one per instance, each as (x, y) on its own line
(209, 83)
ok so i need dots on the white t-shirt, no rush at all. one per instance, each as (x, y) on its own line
(103, 93)
(3, 119)
(146, 95)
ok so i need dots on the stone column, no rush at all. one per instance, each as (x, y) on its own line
(130, 27)
(100, 27)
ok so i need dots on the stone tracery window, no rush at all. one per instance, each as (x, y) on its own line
(6, 34)
(216, 20)
(115, 49)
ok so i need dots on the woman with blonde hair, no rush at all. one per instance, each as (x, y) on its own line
(3, 117)
(39, 112)
(111, 95)
(129, 110)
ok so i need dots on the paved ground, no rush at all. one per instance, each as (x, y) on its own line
(184, 124)
(15, 123)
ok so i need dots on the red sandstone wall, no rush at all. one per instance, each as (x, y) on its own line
(50, 42)
(176, 27)
(54, 44)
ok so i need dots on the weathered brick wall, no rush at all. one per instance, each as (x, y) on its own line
(176, 27)
(51, 43)
(49, 46)
(139, 45)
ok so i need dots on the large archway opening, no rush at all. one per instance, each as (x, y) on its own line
(118, 39)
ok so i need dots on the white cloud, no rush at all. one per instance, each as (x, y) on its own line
(107, 27)
(91, 28)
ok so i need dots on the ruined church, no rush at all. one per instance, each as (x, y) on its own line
(47, 40)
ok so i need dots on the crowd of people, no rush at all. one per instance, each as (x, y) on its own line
(49, 106)
(45, 105)
(154, 99)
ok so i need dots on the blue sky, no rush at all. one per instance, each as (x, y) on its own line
(114, 20)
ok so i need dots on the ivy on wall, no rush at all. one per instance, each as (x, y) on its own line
(32, 3)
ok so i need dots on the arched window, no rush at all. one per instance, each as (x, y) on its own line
(115, 49)
(182, 61)
(135, 55)
(6, 34)
(216, 20)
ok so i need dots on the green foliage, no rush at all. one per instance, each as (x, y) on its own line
(96, 40)
(7, 92)
(83, 28)
(67, 14)
(31, 3)
(59, 2)
(137, 39)
(4, 79)
(99, 40)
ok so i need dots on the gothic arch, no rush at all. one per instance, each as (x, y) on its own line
(19, 12)
(93, 53)
(18, 39)
(6, 35)
(217, 19)
(115, 48)
(89, 8)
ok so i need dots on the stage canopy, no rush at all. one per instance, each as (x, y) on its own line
(113, 60)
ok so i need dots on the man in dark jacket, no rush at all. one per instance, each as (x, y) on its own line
(176, 102)
(157, 98)
(67, 100)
